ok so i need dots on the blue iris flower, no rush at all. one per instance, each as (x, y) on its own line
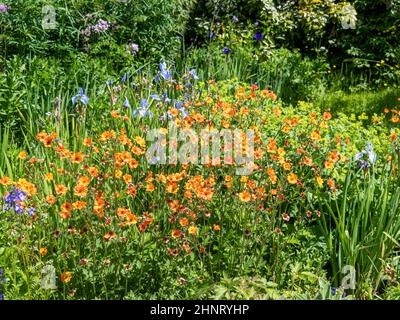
(193, 74)
(124, 77)
(81, 96)
(165, 73)
(155, 96)
(366, 157)
(126, 103)
(143, 111)
(31, 211)
(258, 36)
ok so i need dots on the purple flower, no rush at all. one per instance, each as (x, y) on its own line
(193, 74)
(155, 96)
(235, 19)
(132, 48)
(227, 51)
(4, 8)
(31, 211)
(166, 74)
(143, 111)
(124, 77)
(211, 35)
(258, 36)
(126, 103)
(366, 157)
(81, 96)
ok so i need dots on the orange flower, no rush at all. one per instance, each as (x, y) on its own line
(78, 205)
(395, 119)
(393, 136)
(65, 215)
(172, 187)
(193, 230)
(292, 178)
(329, 164)
(331, 184)
(245, 196)
(287, 166)
(308, 161)
(216, 227)
(66, 206)
(109, 236)
(327, 116)
(43, 251)
(66, 277)
(175, 233)
(77, 157)
(127, 178)
(22, 155)
(61, 189)
(93, 171)
(84, 181)
(320, 181)
(184, 222)
(87, 142)
(150, 187)
(80, 191)
(5, 181)
(51, 199)
(48, 176)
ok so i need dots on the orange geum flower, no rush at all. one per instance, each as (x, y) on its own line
(5, 181)
(245, 196)
(175, 233)
(65, 215)
(127, 178)
(334, 156)
(329, 164)
(78, 205)
(140, 141)
(66, 206)
(77, 157)
(87, 142)
(184, 222)
(114, 114)
(43, 251)
(93, 171)
(22, 155)
(315, 135)
(109, 236)
(172, 187)
(150, 187)
(331, 184)
(193, 230)
(292, 178)
(122, 212)
(61, 189)
(308, 161)
(327, 116)
(393, 136)
(395, 119)
(48, 176)
(131, 219)
(51, 199)
(320, 181)
(287, 166)
(66, 277)
(80, 191)
(216, 227)
(84, 181)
